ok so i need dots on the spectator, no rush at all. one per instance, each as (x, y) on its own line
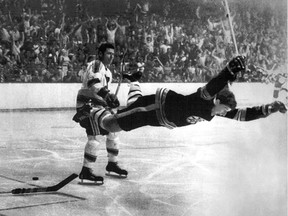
(25, 76)
(36, 78)
(111, 28)
(31, 38)
(68, 77)
(81, 72)
(71, 77)
(56, 77)
(47, 76)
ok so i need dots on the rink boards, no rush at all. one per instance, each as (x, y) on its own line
(63, 95)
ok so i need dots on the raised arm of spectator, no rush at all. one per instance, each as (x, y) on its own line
(246, 52)
(167, 31)
(138, 6)
(106, 22)
(29, 15)
(22, 40)
(116, 22)
(175, 59)
(145, 58)
(62, 25)
(214, 55)
(169, 35)
(172, 33)
(145, 35)
(16, 48)
(217, 41)
(10, 18)
(153, 35)
(6, 51)
(47, 26)
(128, 23)
(223, 25)
(123, 26)
(210, 25)
(87, 35)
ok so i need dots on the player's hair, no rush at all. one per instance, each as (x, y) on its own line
(227, 97)
(103, 47)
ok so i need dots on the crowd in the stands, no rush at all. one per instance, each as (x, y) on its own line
(50, 44)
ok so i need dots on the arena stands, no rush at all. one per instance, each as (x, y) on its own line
(52, 40)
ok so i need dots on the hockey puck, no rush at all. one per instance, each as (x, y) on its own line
(35, 178)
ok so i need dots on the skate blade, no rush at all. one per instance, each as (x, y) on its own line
(92, 183)
(115, 175)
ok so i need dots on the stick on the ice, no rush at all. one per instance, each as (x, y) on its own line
(46, 189)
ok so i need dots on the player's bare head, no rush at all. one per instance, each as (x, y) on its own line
(103, 47)
(227, 98)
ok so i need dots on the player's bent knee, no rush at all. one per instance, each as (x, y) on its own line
(112, 136)
(92, 148)
(110, 124)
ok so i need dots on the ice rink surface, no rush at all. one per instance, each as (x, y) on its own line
(217, 168)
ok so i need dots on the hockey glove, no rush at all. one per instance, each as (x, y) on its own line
(274, 107)
(111, 99)
(82, 113)
(236, 65)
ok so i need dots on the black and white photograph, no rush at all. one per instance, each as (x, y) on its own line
(143, 108)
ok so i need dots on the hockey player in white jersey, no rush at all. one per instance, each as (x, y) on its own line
(95, 92)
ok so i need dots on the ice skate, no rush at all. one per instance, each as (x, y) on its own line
(87, 174)
(132, 76)
(114, 170)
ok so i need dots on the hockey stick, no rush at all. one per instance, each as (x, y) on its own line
(122, 69)
(231, 27)
(45, 189)
(118, 86)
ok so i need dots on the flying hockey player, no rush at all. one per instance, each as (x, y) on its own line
(170, 109)
(95, 91)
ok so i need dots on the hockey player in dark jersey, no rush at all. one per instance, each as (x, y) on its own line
(170, 109)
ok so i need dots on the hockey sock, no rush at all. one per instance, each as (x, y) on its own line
(112, 146)
(134, 92)
(90, 152)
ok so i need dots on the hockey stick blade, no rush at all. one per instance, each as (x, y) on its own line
(46, 189)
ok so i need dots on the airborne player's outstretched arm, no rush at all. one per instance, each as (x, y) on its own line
(256, 112)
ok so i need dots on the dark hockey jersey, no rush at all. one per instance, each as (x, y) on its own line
(185, 110)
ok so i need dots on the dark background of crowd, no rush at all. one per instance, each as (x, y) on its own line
(51, 41)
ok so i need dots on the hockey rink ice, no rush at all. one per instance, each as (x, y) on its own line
(217, 168)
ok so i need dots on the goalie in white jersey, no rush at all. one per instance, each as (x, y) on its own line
(95, 92)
